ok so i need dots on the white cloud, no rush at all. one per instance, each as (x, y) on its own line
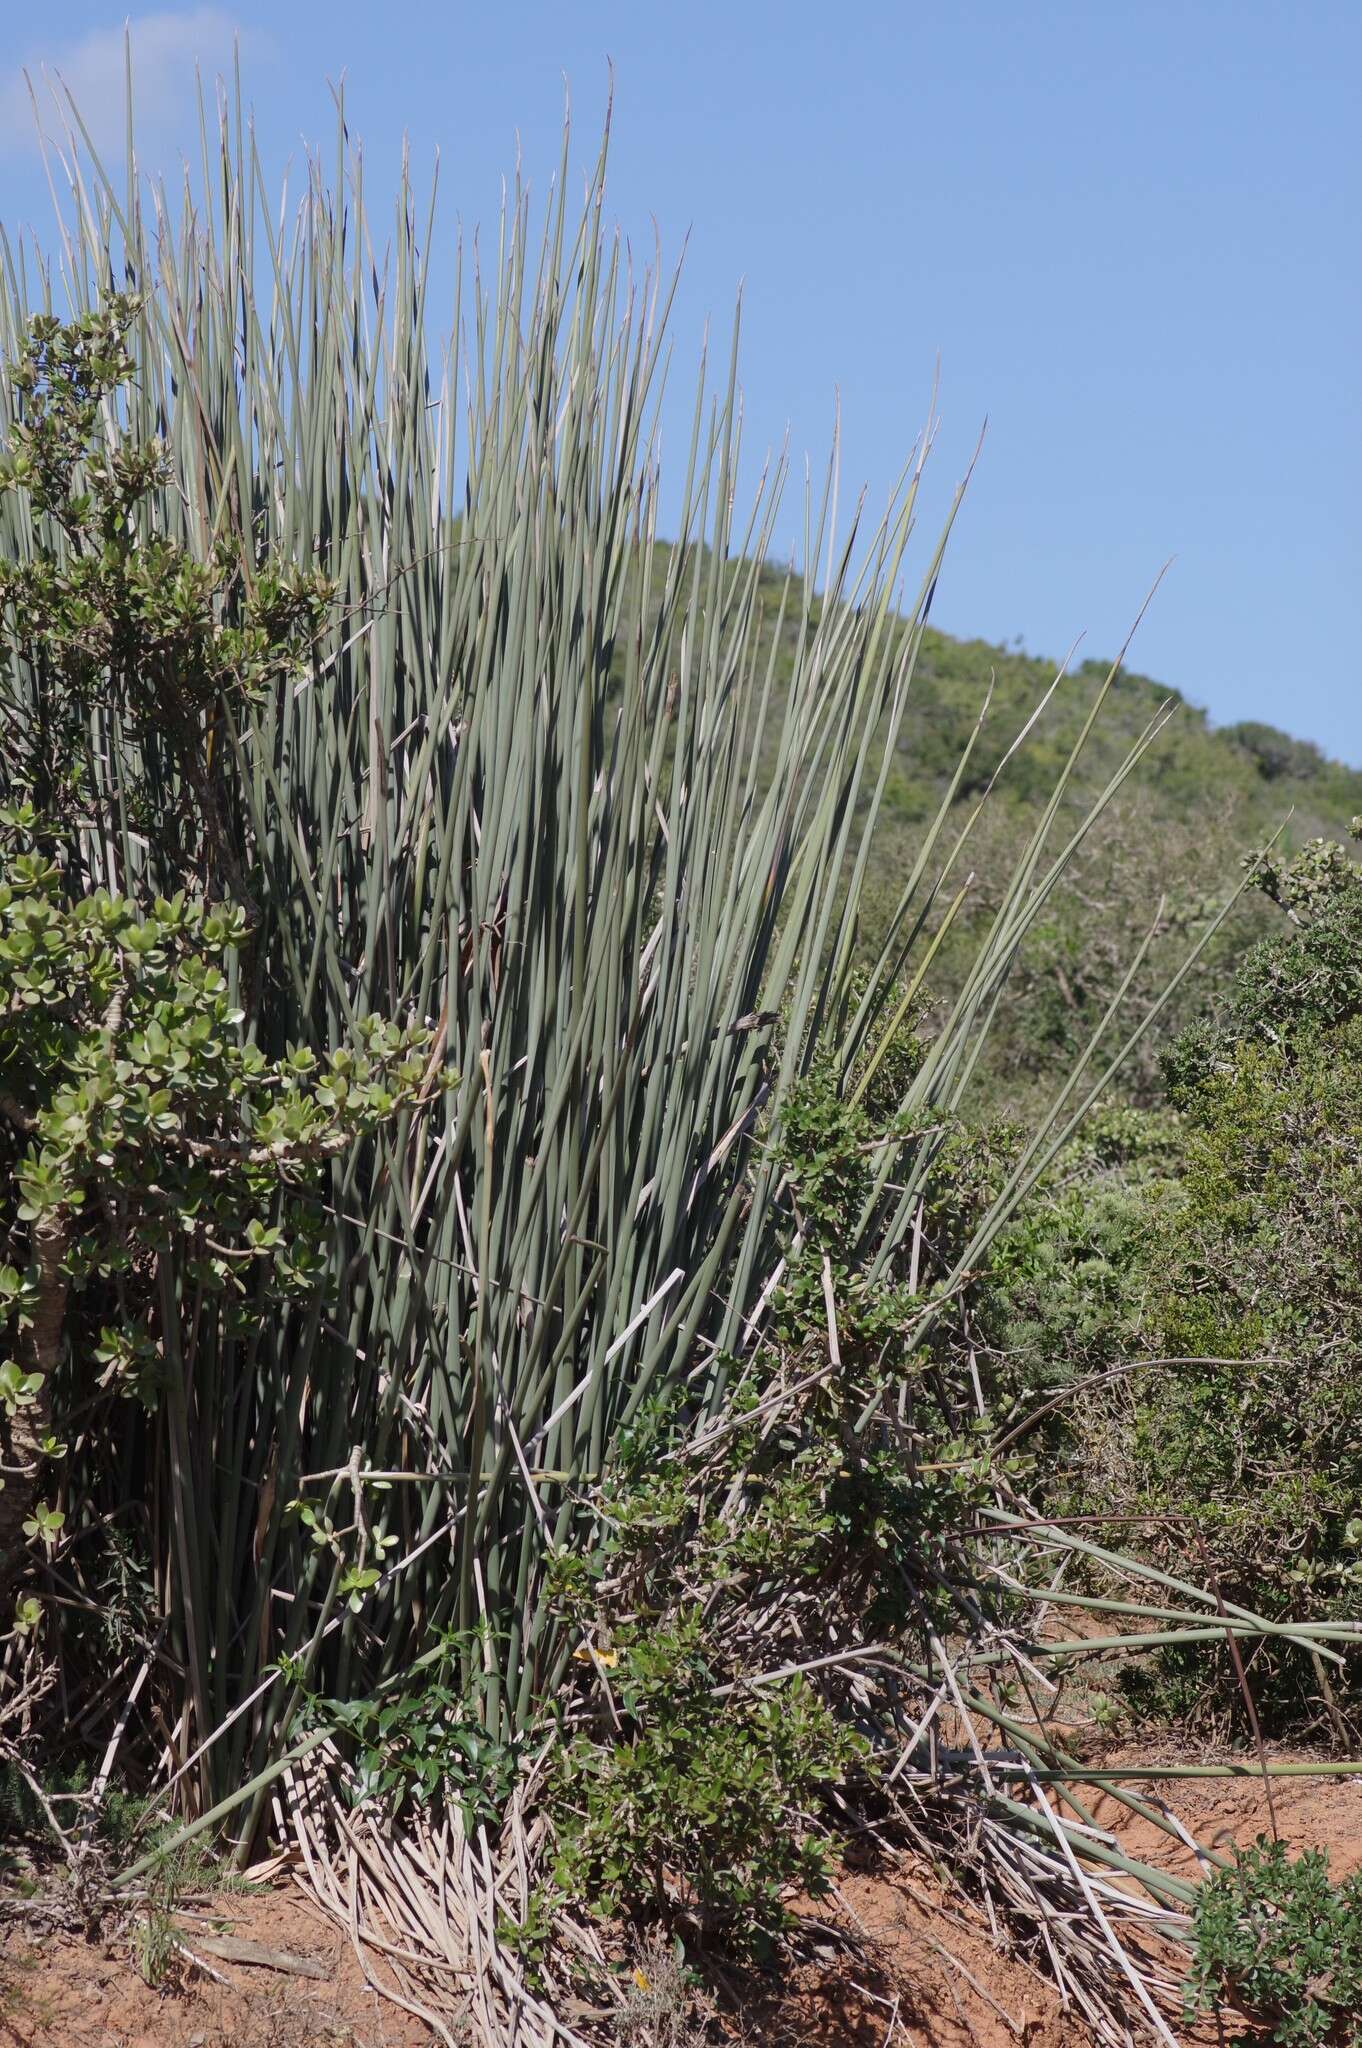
(166, 48)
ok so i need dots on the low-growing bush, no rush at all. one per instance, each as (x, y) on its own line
(1278, 1942)
(702, 1766)
(706, 1814)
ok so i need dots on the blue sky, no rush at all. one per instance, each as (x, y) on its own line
(1129, 229)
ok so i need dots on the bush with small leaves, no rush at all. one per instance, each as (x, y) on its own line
(136, 1119)
(703, 1814)
(1278, 1942)
(110, 619)
(1194, 1292)
(152, 1158)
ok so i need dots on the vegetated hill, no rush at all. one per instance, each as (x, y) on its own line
(1199, 802)
(1254, 769)
(1248, 771)
(1167, 852)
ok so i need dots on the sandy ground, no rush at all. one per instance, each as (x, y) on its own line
(61, 1991)
(923, 1977)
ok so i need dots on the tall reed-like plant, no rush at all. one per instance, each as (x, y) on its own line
(550, 791)
(544, 791)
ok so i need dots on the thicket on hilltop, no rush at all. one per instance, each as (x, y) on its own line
(484, 1244)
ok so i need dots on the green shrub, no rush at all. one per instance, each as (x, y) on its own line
(137, 1123)
(699, 1789)
(1068, 1281)
(152, 1158)
(1284, 1945)
(421, 1746)
(1258, 1278)
(1224, 1245)
(1289, 987)
(702, 1812)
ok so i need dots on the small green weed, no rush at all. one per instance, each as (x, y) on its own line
(1285, 1944)
(187, 1872)
(156, 1953)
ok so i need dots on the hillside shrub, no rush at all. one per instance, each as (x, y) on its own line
(1225, 1250)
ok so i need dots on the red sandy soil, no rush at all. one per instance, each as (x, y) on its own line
(945, 1985)
(61, 1991)
(922, 1977)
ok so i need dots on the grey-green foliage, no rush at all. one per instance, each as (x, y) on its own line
(539, 791)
